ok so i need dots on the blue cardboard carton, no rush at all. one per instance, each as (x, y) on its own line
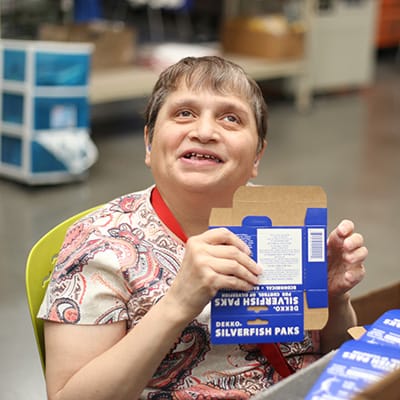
(285, 228)
(363, 362)
(369, 307)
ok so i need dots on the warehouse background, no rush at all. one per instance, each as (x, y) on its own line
(334, 105)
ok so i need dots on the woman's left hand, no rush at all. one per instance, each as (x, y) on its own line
(346, 257)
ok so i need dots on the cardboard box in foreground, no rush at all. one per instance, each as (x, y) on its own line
(368, 307)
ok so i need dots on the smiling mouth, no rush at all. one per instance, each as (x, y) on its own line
(198, 156)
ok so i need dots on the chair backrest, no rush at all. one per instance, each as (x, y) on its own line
(39, 266)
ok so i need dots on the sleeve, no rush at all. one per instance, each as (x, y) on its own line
(87, 285)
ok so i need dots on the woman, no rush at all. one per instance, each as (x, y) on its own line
(127, 309)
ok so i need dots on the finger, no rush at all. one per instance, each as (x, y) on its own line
(233, 268)
(354, 276)
(355, 257)
(234, 283)
(353, 242)
(345, 228)
(340, 233)
(235, 255)
(231, 282)
(225, 236)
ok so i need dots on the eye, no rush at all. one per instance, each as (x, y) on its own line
(232, 118)
(184, 113)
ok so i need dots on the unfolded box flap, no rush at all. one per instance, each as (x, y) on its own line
(285, 205)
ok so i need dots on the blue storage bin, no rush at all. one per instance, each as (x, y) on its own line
(12, 108)
(61, 112)
(11, 150)
(14, 65)
(43, 161)
(58, 69)
(44, 111)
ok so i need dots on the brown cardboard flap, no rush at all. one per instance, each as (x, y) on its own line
(371, 306)
(314, 318)
(356, 331)
(285, 206)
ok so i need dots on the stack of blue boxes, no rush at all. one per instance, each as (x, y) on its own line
(44, 121)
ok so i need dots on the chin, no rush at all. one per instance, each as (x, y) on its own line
(210, 189)
(203, 184)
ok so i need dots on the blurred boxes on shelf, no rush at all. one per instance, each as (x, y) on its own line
(114, 42)
(271, 37)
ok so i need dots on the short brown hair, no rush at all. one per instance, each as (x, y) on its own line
(220, 75)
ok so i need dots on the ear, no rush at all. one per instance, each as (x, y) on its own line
(147, 159)
(257, 159)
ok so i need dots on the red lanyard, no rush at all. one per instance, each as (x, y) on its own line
(271, 351)
(165, 214)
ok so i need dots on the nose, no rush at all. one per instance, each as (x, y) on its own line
(205, 129)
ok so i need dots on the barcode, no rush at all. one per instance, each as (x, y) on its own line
(316, 245)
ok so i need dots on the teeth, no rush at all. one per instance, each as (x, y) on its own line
(200, 156)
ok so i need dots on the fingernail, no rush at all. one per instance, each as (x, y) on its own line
(259, 269)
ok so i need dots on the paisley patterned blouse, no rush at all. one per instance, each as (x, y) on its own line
(115, 264)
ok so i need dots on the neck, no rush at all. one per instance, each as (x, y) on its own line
(192, 210)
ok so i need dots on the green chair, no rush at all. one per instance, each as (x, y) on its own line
(39, 266)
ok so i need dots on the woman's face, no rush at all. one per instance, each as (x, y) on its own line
(203, 141)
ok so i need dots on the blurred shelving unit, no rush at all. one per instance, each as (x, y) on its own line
(122, 83)
(338, 52)
(136, 81)
(128, 82)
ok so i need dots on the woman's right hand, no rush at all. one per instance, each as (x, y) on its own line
(216, 259)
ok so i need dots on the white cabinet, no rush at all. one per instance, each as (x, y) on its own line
(342, 42)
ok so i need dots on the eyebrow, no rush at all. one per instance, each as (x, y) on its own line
(227, 104)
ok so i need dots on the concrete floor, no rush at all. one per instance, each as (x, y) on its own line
(349, 143)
